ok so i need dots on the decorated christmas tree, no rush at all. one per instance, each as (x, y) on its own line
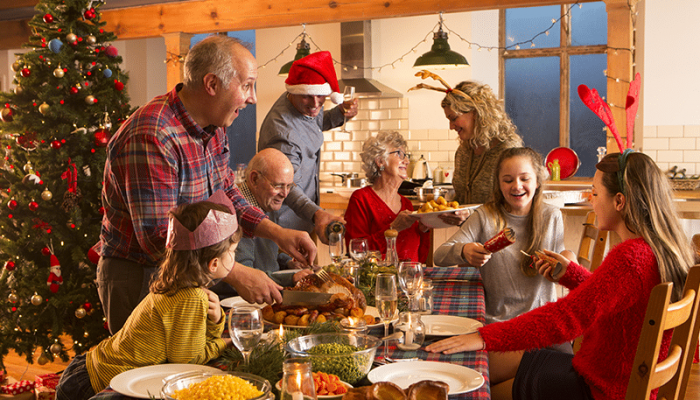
(68, 98)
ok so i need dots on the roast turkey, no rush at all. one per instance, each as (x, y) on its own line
(345, 294)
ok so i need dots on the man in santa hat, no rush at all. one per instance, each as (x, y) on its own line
(294, 125)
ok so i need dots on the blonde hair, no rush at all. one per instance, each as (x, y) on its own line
(535, 225)
(376, 147)
(490, 118)
(189, 268)
(649, 212)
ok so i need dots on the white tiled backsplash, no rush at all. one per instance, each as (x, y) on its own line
(341, 150)
(671, 145)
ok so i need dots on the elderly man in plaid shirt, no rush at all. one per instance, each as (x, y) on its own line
(174, 150)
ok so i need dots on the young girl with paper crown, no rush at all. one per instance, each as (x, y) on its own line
(179, 321)
(631, 197)
(511, 283)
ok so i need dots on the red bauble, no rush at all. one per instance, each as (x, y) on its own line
(74, 90)
(89, 14)
(55, 145)
(46, 251)
(48, 18)
(119, 86)
(10, 265)
(87, 306)
(102, 137)
(26, 72)
(6, 114)
(111, 51)
(12, 204)
(33, 205)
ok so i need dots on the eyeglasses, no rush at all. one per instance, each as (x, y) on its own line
(400, 154)
(280, 186)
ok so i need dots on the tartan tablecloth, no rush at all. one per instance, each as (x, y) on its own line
(458, 292)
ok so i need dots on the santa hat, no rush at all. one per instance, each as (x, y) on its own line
(314, 75)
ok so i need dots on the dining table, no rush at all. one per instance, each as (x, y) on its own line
(459, 292)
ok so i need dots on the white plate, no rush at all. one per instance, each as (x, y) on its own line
(145, 382)
(375, 313)
(432, 219)
(460, 379)
(237, 301)
(449, 325)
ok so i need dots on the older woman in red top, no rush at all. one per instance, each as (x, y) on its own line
(379, 206)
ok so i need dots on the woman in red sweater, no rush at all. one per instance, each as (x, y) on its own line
(379, 206)
(632, 198)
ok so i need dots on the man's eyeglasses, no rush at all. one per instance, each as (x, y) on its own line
(280, 186)
(399, 153)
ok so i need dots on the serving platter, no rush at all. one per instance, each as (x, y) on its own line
(460, 379)
(432, 219)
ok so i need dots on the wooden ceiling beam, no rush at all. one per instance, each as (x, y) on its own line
(206, 16)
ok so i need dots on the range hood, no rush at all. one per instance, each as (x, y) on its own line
(356, 49)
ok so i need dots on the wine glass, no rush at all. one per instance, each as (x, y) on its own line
(410, 280)
(386, 300)
(348, 95)
(358, 250)
(336, 247)
(245, 325)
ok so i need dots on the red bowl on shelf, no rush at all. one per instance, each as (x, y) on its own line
(568, 161)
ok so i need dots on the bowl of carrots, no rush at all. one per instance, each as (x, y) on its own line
(328, 386)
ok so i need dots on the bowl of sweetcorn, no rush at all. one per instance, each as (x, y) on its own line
(229, 385)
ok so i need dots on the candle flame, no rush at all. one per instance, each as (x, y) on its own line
(281, 333)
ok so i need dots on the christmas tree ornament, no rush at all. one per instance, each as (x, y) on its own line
(55, 279)
(111, 51)
(90, 99)
(102, 137)
(46, 251)
(44, 108)
(36, 299)
(107, 123)
(74, 90)
(107, 73)
(55, 348)
(12, 204)
(12, 298)
(86, 170)
(58, 72)
(87, 306)
(91, 39)
(33, 206)
(119, 86)
(48, 18)
(46, 195)
(55, 45)
(71, 37)
(26, 72)
(43, 360)
(80, 313)
(27, 141)
(78, 86)
(16, 66)
(18, 90)
(89, 14)
(10, 265)
(6, 114)
(55, 145)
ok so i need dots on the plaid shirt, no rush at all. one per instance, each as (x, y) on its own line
(158, 159)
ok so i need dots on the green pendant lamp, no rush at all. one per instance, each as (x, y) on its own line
(303, 50)
(440, 56)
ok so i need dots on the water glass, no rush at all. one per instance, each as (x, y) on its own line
(358, 249)
(410, 276)
(245, 325)
(351, 271)
(336, 247)
(425, 297)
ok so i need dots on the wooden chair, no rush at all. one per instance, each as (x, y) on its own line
(670, 375)
(592, 247)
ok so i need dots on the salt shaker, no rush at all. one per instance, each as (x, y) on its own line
(297, 380)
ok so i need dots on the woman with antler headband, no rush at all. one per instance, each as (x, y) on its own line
(484, 131)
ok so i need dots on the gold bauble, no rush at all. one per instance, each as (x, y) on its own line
(43, 360)
(55, 348)
(12, 298)
(80, 313)
(18, 90)
(71, 37)
(16, 66)
(90, 99)
(46, 195)
(44, 108)
(36, 299)
(58, 73)
(91, 39)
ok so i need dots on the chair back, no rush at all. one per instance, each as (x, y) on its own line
(592, 247)
(671, 374)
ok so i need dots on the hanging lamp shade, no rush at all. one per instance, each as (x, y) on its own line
(440, 56)
(303, 50)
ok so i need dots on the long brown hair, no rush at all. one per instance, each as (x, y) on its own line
(188, 268)
(535, 223)
(649, 212)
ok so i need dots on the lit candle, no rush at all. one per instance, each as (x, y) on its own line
(409, 331)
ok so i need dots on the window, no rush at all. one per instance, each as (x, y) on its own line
(542, 69)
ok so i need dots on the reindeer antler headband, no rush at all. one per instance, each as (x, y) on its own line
(591, 98)
(427, 74)
(217, 226)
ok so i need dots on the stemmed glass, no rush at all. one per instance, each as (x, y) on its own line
(348, 95)
(358, 250)
(336, 247)
(386, 300)
(245, 325)
(410, 280)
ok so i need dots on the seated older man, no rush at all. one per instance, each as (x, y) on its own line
(268, 180)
